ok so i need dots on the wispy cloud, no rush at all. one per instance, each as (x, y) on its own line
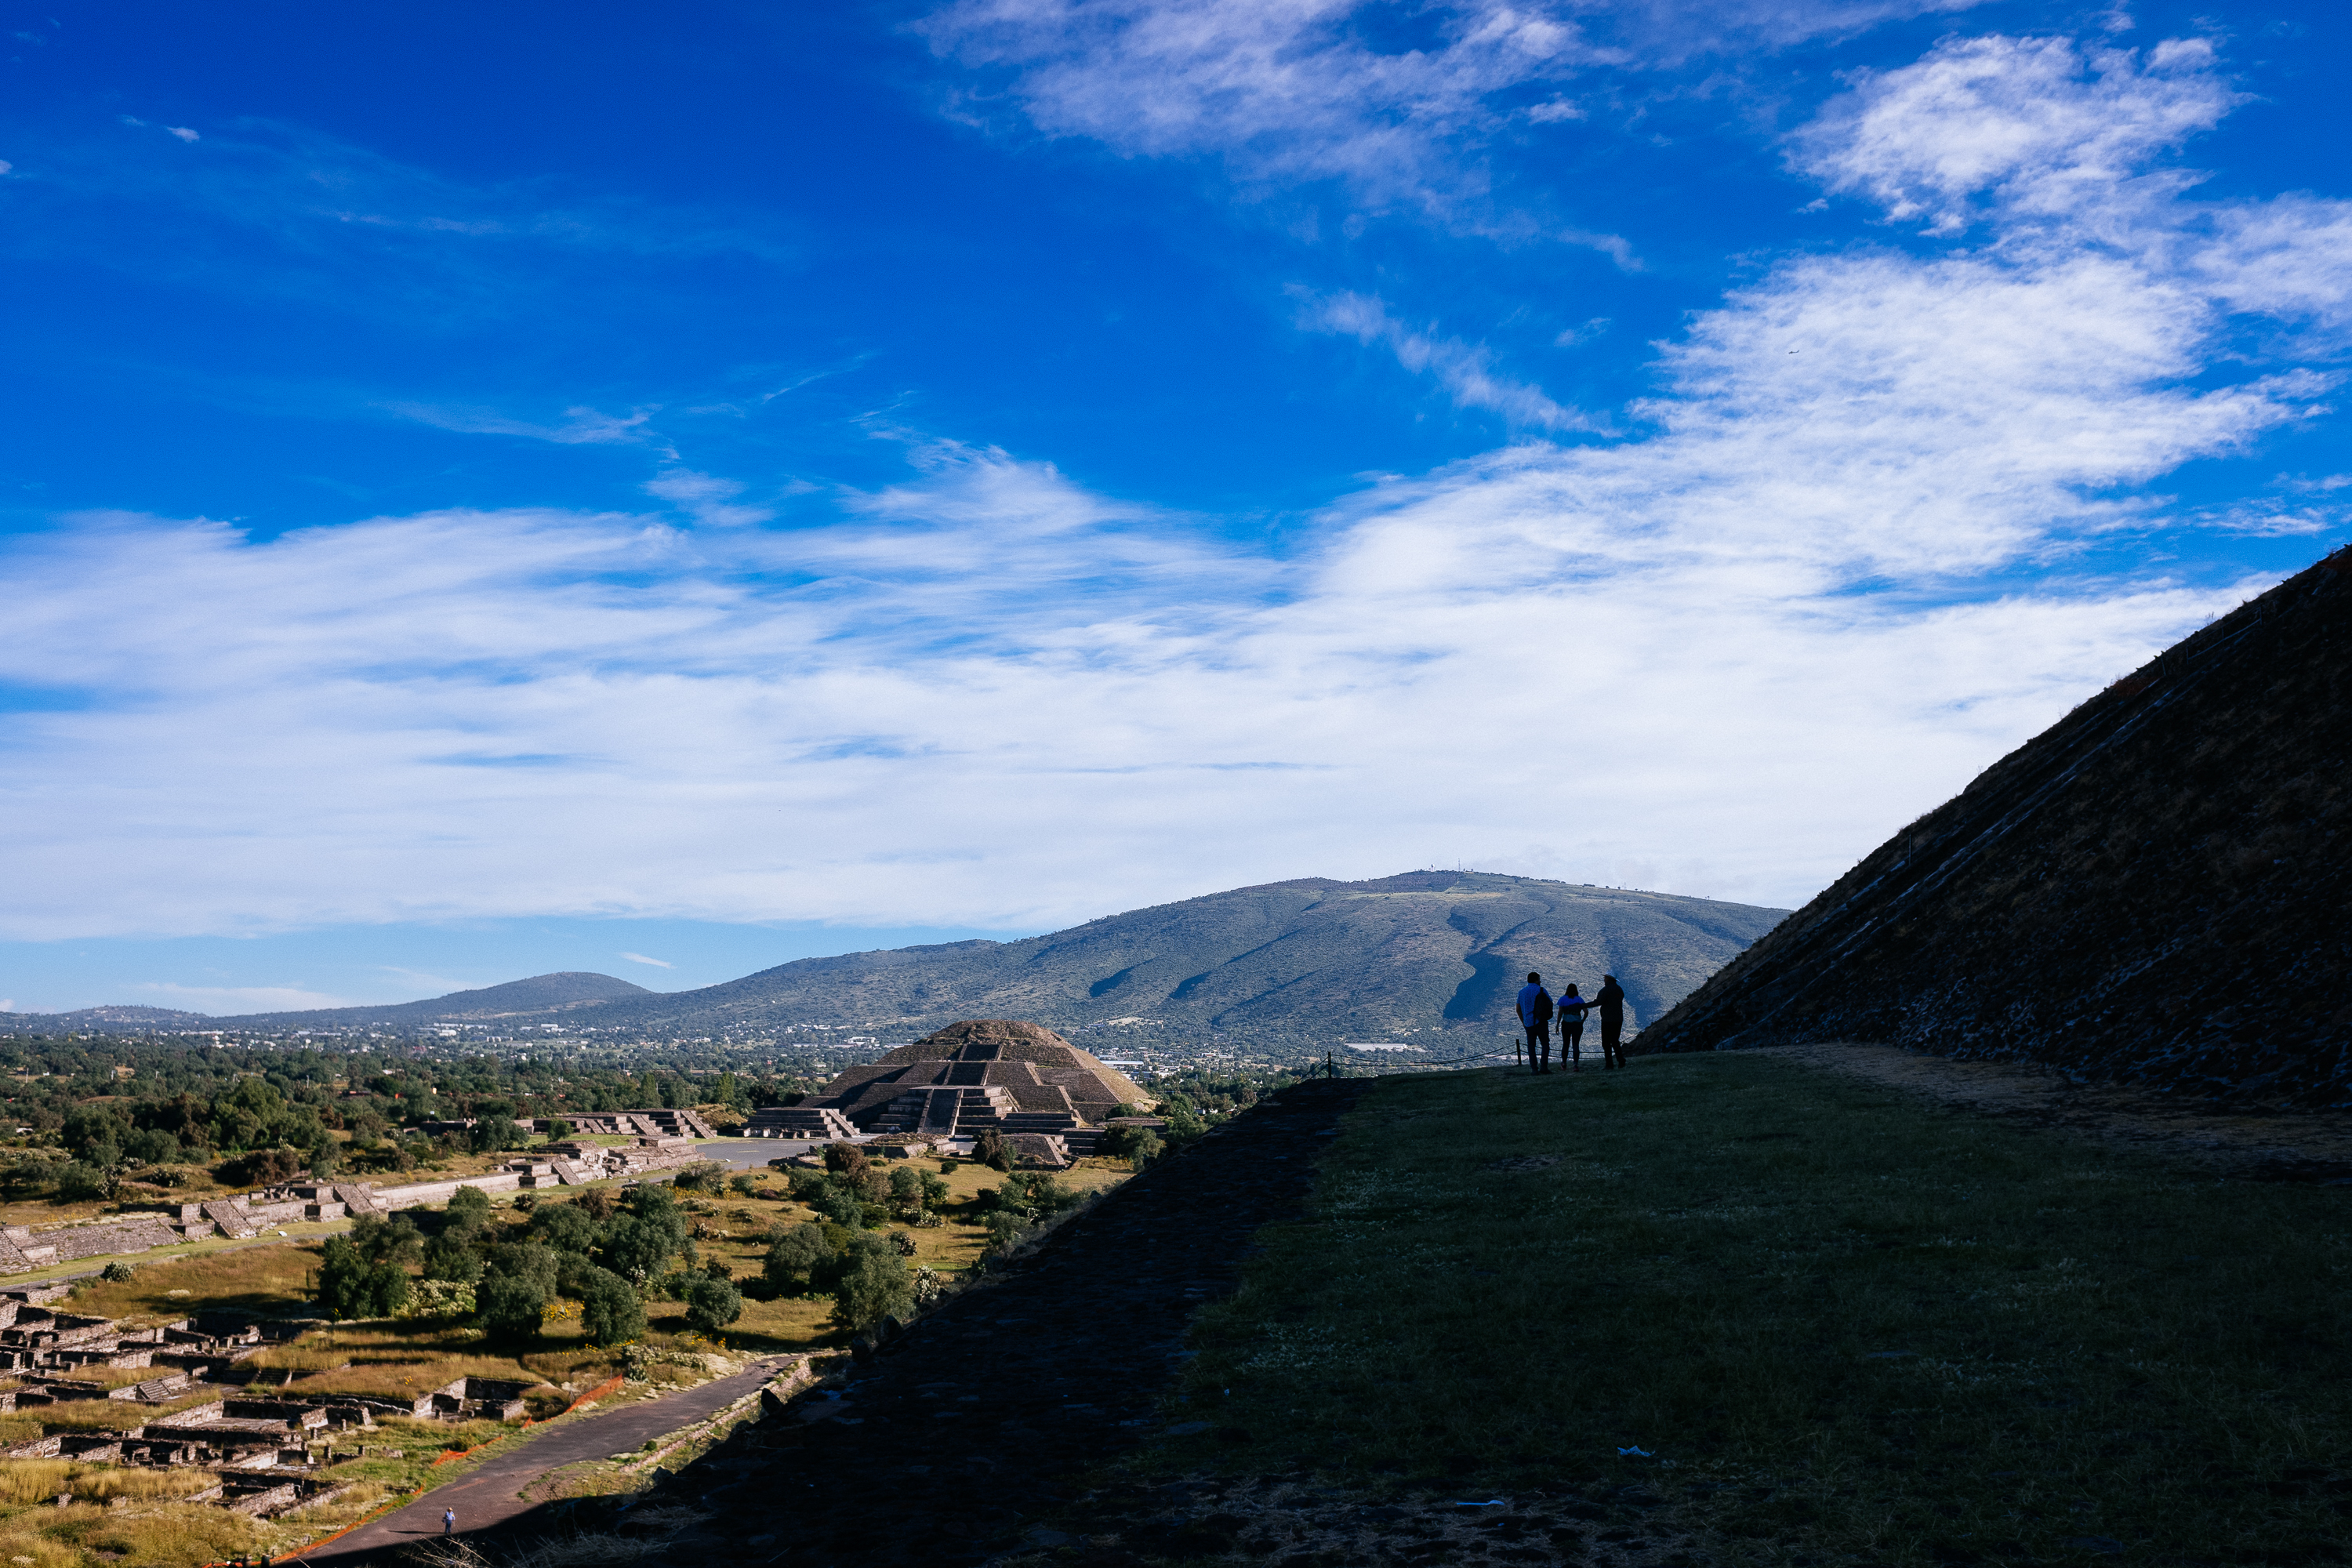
(263, 209)
(580, 427)
(1792, 595)
(641, 958)
(1394, 101)
(1465, 370)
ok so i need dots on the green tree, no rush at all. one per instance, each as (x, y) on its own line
(566, 1227)
(609, 1309)
(870, 1282)
(794, 1258)
(350, 1285)
(712, 1303)
(518, 1281)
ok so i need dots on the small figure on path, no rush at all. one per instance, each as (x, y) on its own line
(1610, 1000)
(1534, 1014)
(448, 1521)
(1571, 1028)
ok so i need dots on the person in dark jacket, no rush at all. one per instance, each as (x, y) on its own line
(1610, 1000)
(1571, 1009)
(1535, 1015)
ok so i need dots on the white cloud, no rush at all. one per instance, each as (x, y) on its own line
(582, 427)
(706, 497)
(641, 958)
(1727, 654)
(1301, 88)
(1465, 370)
(2038, 124)
(183, 132)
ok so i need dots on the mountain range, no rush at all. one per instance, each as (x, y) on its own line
(1307, 963)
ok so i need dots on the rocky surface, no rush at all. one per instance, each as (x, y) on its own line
(2155, 889)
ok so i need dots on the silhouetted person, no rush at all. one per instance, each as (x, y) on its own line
(1535, 1014)
(1571, 1028)
(1610, 1000)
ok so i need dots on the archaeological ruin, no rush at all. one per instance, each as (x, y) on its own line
(1023, 1083)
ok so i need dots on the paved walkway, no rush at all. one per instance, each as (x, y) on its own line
(491, 1494)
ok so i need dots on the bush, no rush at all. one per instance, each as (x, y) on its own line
(262, 1168)
(744, 1186)
(871, 1282)
(438, 1298)
(712, 1303)
(609, 1310)
(1138, 1146)
(565, 1228)
(116, 1272)
(469, 1207)
(557, 1131)
(511, 1304)
(78, 1183)
(350, 1286)
(794, 1259)
(993, 1150)
(847, 1159)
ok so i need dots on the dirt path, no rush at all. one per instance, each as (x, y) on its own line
(2251, 1144)
(491, 1495)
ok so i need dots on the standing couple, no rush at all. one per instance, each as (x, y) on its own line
(1536, 1008)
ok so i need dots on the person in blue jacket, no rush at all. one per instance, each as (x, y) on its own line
(1570, 1008)
(1534, 1014)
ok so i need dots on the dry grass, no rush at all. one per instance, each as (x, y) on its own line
(114, 1415)
(255, 1278)
(142, 1535)
(41, 1480)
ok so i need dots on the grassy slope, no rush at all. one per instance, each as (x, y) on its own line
(1846, 1323)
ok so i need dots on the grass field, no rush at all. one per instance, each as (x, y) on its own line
(1792, 1318)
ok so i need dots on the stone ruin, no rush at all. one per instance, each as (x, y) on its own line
(248, 1215)
(258, 1440)
(1027, 1084)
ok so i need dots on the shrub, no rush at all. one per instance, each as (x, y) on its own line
(116, 1272)
(609, 1310)
(565, 1228)
(438, 1298)
(902, 1242)
(78, 1183)
(993, 1150)
(841, 1206)
(262, 1168)
(712, 1303)
(350, 1286)
(557, 1131)
(596, 1203)
(511, 1304)
(469, 1207)
(847, 1159)
(796, 1256)
(744, 1186)
(871, 1283)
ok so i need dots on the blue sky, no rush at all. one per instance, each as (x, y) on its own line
(488, 491)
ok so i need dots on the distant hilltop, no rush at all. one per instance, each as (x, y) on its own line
(1312, 958)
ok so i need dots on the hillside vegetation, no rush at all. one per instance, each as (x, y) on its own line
(1307, 961)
